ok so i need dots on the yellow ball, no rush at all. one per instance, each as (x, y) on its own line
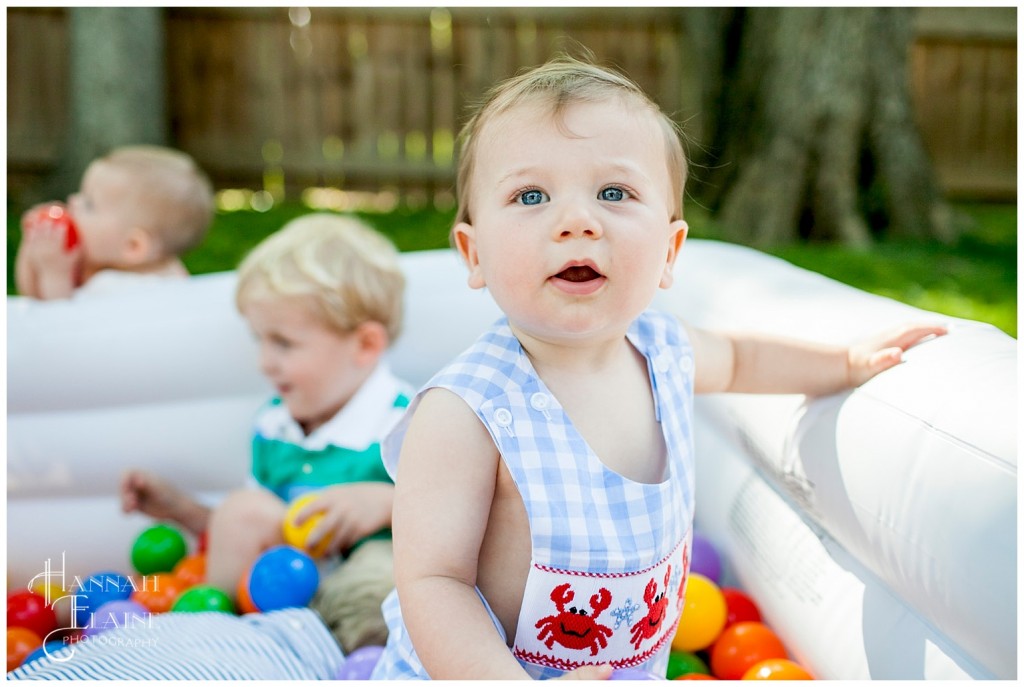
(703, 617)
(297, 535)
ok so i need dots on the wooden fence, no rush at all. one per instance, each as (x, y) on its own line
(372, 98)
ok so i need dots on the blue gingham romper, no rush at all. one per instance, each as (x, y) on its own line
(610, 556)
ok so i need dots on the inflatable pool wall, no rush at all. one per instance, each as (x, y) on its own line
(875, 528)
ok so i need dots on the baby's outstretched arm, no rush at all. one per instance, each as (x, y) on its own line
(443, 494)
(156, 497)
(753, 363)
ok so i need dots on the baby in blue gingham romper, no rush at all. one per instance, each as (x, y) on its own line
(589, 524)
(544, 482)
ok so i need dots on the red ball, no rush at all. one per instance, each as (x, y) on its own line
(739, 607)
(28, 609)
(59, 215)
(741, 646)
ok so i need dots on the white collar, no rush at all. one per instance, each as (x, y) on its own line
(361, 422)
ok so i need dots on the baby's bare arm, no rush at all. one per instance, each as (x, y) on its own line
(443, 493)
(754, 363)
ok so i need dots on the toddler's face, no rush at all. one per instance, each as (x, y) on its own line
(102, 214)
(313, 368)
(572, 231)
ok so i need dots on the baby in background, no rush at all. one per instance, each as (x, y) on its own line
(324, 299)
(138, 209)
(544, 480)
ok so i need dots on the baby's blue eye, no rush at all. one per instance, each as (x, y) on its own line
(612, 193)
(532, 197)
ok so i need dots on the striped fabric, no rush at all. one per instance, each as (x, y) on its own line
(290, 644)
(586, 520)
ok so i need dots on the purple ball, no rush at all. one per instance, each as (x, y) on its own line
(704, 560)
(115, 614)
(360, 663)
(632, 674)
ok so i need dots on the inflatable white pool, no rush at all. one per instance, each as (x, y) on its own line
(876, 529)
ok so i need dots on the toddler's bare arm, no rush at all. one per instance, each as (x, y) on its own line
(156, 497)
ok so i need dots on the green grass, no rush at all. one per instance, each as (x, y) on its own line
(975, 279)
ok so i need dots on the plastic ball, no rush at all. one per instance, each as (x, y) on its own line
(741, 646)
(57, 213)
(296, 535)
(242, 599)
(202, 598)
(777, 669)
(120, 613)
(632, 674)
(158, 593)
(98, 589)
(704, 559)
(28, 609)
(739, 607)
(703, 615)
(360, 663)
(158, 549)
(282, 577)
(685, 663)
(696, 676)
(191, 570)
(20, 643)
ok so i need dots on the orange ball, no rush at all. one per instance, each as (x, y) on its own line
(703, 615)
(158, 592)
(243, 601)
(20, 643)
(741, 646)
(191, 569)
(696, 676)
(777, 669)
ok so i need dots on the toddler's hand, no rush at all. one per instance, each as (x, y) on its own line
(877, 354)
(350, 512)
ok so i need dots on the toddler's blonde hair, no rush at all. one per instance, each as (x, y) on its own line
(350, 272)
(170, 195)
(559, 83)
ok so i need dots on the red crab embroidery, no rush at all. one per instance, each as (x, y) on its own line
(573, 628)
(680, 594)
(657, 606)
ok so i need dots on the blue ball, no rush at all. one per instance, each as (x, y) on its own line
(282, 577)
(96, 590)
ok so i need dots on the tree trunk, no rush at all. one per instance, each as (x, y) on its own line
(116, 59)
(811, 115)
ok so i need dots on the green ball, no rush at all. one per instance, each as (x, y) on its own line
(158, 549)
(203, 597)
(684, 663)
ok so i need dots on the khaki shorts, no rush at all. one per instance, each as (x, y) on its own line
(349, 597)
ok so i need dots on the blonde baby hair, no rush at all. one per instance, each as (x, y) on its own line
(561, 82)
(350, 271)
(172, 197)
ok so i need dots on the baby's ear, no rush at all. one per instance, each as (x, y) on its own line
(465, 242)
(139, 247)
(677, 236)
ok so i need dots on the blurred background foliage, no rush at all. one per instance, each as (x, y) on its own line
(899, 177)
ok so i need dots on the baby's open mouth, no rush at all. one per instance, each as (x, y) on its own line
(579, 273)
